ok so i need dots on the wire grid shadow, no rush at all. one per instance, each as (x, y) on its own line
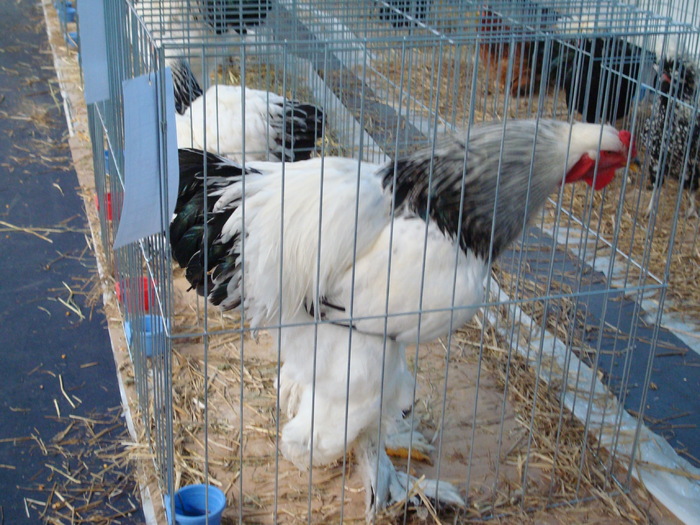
(526, 406)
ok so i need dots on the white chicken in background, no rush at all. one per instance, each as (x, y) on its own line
(231, 120)
(265, 125)
(416, 235)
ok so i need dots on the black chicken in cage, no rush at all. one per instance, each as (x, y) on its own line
(601, 79)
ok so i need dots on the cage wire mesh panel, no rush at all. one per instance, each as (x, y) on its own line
(685, 11)
(141, 271)
(570, 325)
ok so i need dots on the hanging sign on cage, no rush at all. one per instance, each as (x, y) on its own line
(149, 196)
(93, 51)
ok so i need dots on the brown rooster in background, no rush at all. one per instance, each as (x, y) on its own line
(496, 55)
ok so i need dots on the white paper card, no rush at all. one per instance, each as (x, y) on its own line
(93, 50)
(144, 190)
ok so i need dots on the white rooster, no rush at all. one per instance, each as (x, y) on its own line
(232, 120)
(415, 235)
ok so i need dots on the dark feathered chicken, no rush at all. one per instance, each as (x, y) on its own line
(599, 76)
(600, 79)
(528, 56)
(672, 131)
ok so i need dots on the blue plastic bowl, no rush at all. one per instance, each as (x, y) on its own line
(70, 14)
(152, 326)
(190, 507)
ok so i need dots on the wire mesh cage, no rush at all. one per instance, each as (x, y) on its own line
(538, 400)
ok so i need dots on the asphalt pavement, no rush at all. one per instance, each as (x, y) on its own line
(61, 426)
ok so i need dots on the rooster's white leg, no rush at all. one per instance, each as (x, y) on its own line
(402, 435)
(384, 486)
